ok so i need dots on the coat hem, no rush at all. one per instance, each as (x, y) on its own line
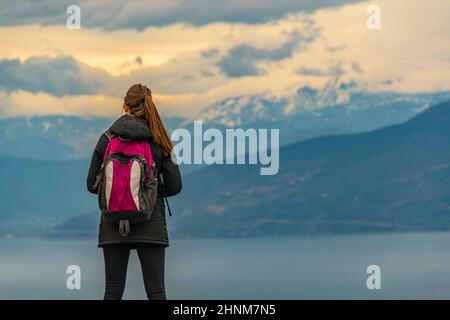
(154, 242)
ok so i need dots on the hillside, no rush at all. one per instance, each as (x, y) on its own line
(391, 179)
(43, 189)
(395, 178)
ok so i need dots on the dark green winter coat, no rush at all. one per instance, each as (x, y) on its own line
(154, 230)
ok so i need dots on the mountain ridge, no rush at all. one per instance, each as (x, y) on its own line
(389, 184)
(304, 113)
(389, 179)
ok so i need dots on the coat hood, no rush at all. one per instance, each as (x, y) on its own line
(131, 127)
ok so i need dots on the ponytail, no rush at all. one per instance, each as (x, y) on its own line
(159, 132)
(140, 102)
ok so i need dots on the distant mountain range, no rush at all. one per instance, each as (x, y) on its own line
(302, 114)
(394, 178)
(307, 112)
(391, 179)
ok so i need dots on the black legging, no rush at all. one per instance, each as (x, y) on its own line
(152, 264)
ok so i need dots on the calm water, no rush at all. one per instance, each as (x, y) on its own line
(414, 265)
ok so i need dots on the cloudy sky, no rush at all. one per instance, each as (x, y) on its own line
(193, 53)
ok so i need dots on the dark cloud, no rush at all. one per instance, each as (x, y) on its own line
(239, 62)
(139, 14)
(58, 76)
(242, 60)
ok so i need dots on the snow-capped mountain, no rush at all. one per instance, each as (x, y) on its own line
(304, 113)
(337, 107)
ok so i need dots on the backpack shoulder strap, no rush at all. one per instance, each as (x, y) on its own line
(109, 135)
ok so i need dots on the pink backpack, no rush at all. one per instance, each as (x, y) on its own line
(127, 182)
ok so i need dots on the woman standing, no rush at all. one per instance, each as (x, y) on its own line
(140, 121)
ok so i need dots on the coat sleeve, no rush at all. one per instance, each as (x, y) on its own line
(96, 162)
(171, 176)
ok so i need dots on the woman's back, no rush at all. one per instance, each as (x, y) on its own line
(154, 230)
(149, 236)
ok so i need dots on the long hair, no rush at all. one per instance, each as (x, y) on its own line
(140, 103)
